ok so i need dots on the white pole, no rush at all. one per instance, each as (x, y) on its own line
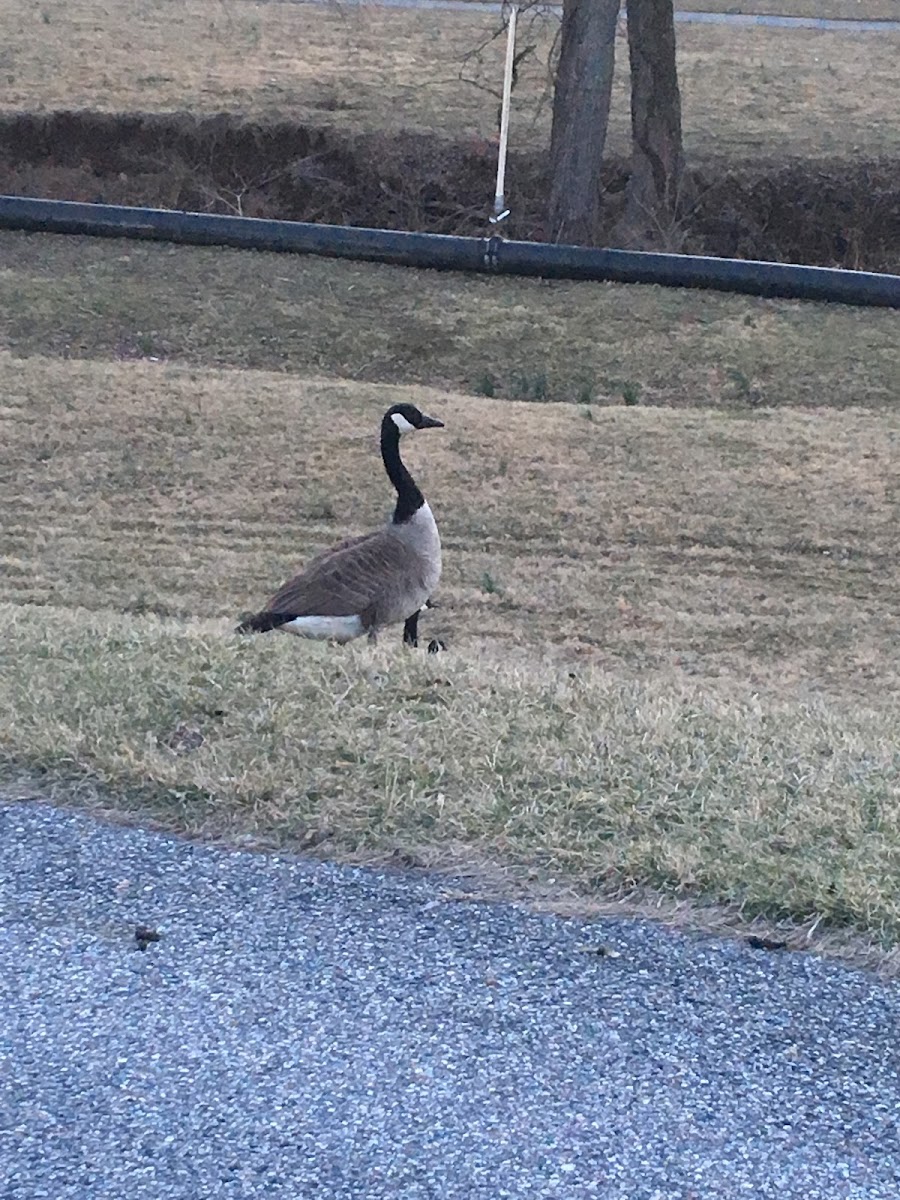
(499, 201)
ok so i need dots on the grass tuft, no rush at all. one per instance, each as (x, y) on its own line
(631, 394)
(489, 585)
(485, 385)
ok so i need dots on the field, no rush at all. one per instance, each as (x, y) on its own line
(746, 91)
(669, 517)
(728, 544)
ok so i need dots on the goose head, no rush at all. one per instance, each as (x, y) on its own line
(407, 419)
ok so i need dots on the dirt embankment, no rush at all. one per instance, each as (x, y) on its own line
(828, 212)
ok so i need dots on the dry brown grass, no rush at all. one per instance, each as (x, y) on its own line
(587, 343)
(758, 547)
(753, 93)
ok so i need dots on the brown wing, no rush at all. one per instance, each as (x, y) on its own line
(343, 581)
(342, 545)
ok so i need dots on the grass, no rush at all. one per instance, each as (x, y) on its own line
(747, 93)
(758, 548)
(612, 344)
(787, 810)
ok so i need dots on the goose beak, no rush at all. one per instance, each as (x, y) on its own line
(431, 423)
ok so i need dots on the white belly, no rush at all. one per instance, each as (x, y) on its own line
(337, 629)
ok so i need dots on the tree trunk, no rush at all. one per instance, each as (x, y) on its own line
(655, 193)
(580, 116)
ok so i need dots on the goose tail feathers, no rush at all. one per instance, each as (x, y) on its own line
(262, 622)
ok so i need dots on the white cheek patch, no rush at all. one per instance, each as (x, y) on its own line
(402, 424)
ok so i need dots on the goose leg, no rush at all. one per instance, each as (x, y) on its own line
(411, 634)
(411, 630)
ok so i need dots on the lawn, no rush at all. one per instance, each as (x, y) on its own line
(747, 93)
(594, 344)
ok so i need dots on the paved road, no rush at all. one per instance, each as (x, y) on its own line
(835, 25)
(312, 1031)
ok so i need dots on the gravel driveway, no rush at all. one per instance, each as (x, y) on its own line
(302, 1030)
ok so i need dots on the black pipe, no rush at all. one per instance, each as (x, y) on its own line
(686, 270)
(205, 229)
(437, 251)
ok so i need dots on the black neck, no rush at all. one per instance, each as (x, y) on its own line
(409, 498)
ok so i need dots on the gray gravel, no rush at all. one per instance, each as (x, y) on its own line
(302, 1030)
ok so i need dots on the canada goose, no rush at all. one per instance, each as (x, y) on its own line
(365, 583)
